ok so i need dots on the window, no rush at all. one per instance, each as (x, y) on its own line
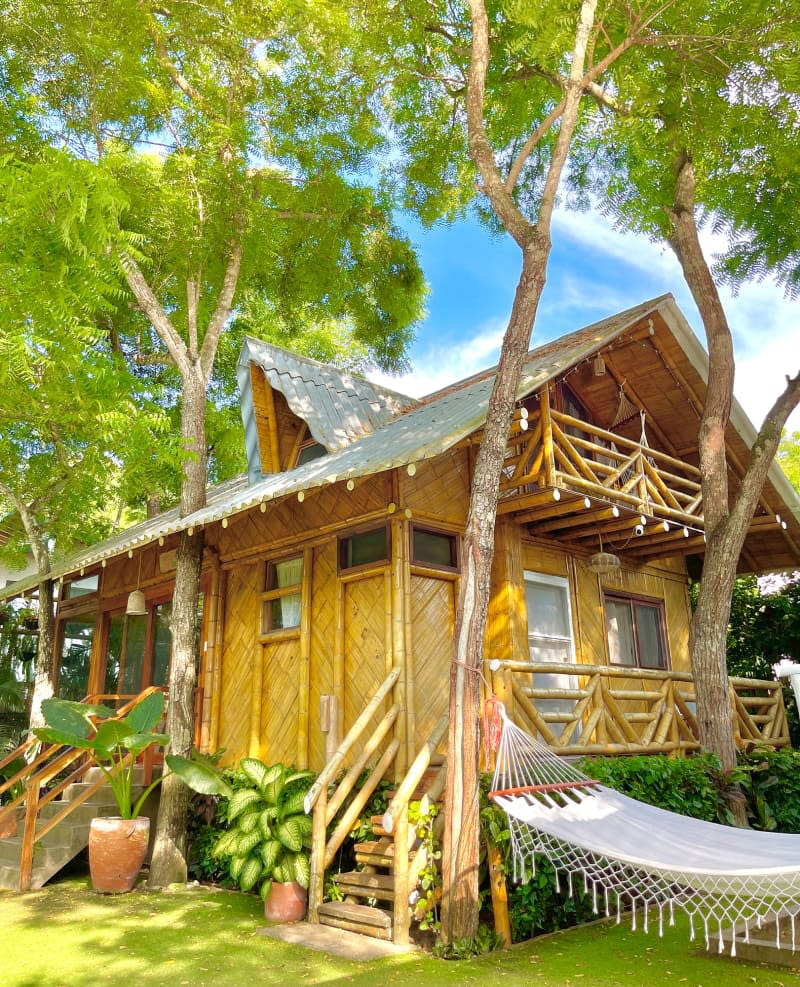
(549, 618)
(364, 548)
(434, 548)
(282, 599)
(550, 640)
(77, 634)
(635, 632)
(311, 450)
(80, 587)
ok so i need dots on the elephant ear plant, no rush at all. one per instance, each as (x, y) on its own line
(113, 744)
(269, 835)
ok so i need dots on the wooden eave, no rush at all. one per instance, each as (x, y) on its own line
(558, 494)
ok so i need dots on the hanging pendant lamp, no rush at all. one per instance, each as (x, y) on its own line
(136, 606)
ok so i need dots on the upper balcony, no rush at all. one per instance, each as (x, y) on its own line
(591, 487)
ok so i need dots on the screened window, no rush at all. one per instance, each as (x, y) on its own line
(282, 605)
(635, 632)
(549, 618)
(76, 650)
(434, 548)
(81, 587)
(364, 548)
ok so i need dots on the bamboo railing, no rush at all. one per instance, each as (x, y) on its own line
(68, 765)
(326, 796)
(619, 710)
(395, 821)
(600, 464)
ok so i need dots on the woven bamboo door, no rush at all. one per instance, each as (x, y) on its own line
(279, 706)
(367, 643)
(432, 617)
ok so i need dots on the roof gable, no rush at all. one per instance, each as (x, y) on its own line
(337, 407)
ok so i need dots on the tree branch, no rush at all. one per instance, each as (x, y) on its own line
(151, 307)
(224, 304)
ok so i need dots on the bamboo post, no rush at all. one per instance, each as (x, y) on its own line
(304, 686)
(328, 723)
(497, 883)
(28, 834)
(218, 632)
(547, 437)
(338, 651)
(400, 916)
(318, 829)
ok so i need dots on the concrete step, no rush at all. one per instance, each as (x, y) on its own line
(368, 921)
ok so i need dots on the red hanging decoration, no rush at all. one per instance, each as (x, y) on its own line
(492, 727)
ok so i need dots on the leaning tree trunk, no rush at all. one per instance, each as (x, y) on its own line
(462, 819)
(168, 865)
(726, 519)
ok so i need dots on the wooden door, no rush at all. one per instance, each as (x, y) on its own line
(432, 618)
(367, 643)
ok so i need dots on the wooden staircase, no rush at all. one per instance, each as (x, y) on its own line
(66, 839)
(52, 801)
(376, 897)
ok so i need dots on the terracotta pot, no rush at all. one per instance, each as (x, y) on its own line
(286, 902)
(117, 848)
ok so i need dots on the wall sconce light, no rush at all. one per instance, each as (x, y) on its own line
(136, 606)
(598, 366)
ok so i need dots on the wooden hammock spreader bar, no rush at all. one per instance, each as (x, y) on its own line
(556, 786)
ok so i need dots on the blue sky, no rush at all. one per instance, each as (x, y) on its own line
(594, 272)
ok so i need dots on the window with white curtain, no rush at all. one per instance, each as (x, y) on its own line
(550, 640)
(284, 584)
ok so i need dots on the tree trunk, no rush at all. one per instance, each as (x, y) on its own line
(726, 521)
(462, 823)
(44, 674)
(168, 864)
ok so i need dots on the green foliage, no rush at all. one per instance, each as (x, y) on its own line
(772, 786)
(690, 786)
(112, 744)
(485, 941)
(262, 831)
(788, 457)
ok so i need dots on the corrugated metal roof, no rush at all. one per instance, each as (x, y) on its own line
(423, 431)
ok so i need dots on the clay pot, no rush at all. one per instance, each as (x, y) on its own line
(286, 902)
(117, 848)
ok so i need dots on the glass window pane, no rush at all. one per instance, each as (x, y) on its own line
(76, 650)
(162, 643)
(547, 610)
(289, 572)
(434, 547)
(285, 612)
(114, 653)
(81, 587)
(363, 548)
(133, 669)
(651, 642)
(621, 649)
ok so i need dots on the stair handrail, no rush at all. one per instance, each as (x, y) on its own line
(395, 822)
(47, 765)
(323, 849)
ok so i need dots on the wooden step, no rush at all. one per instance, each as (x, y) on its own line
(367, 921)
(363, 884)
(378, 853)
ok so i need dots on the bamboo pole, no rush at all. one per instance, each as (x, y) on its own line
(335, 763)
(338, 653)
(414, 774)
(216, 677)
(348, 782)
(318, 831)
(547, 437)
(304, 672)
(497, 883)
(400, 914)
(533, 715)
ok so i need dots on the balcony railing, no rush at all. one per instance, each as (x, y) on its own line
(560, 453)
(609, 709)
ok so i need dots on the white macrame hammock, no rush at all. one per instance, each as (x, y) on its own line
(641, 856)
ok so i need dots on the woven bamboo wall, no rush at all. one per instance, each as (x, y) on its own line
(432, 615)
(440, 488)
(241, 652)
(323, 644)
(278, 717)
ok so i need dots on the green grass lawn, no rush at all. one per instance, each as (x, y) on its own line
(67, 936)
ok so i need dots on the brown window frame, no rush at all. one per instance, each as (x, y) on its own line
(272, 593)
(341, 549)
(633, 601)
(455, 548)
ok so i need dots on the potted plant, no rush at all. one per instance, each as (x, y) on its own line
(117, 844)
(269, 834)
